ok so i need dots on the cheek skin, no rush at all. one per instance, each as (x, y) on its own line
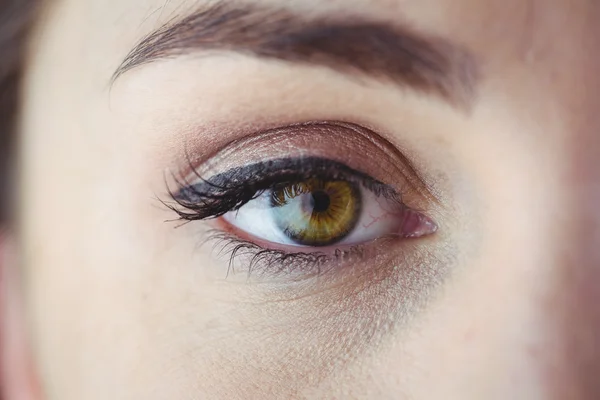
(17, 370)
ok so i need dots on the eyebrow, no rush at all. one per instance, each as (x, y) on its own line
(350, 44)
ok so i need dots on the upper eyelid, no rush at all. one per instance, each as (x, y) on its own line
(209, 199)
(345, 137)
(336, 171)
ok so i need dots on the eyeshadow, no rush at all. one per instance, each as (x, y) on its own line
(357, 147)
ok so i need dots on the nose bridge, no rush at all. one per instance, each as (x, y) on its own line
(569, 309)
(570, 305)
(566, 308)
(576, 286)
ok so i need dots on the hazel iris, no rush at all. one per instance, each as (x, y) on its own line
(317, 212)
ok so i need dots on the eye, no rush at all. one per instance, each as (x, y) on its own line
(320, 213)
(314, 208)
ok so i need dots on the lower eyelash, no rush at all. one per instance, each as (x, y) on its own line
(259, 260)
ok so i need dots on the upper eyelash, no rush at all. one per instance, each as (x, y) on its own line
(229, 191)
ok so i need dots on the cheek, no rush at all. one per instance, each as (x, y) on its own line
(18, 374)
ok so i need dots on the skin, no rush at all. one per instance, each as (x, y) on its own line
(119, 305)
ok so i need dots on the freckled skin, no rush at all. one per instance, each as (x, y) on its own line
(500, 303)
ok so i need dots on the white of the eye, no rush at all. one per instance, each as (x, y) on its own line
(379, 217)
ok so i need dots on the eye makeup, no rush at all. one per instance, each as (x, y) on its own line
(228, 191)
(292, 200)
(355, 146)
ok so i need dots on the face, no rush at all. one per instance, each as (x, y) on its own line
(349, 199)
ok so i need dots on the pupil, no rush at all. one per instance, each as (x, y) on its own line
(320, 201)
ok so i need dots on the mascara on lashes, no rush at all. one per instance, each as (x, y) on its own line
(230, 190)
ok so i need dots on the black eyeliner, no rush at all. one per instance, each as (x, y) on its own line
(230, 190)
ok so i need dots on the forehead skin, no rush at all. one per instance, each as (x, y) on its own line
(115, 311)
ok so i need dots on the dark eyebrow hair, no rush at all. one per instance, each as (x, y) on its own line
(352, 45)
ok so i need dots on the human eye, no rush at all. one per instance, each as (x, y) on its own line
(295, 207)
(323, 203)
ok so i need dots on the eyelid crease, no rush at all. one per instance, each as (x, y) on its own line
(336, 140)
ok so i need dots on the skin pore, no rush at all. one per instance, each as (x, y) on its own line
(478, 115)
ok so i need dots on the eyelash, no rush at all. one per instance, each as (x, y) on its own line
(276, 262)
(229, 191)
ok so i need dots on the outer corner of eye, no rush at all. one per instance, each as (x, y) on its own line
(416, 225)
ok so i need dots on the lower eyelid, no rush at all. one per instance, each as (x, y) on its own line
(248, 262)
(242, 252)
(249, 258)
